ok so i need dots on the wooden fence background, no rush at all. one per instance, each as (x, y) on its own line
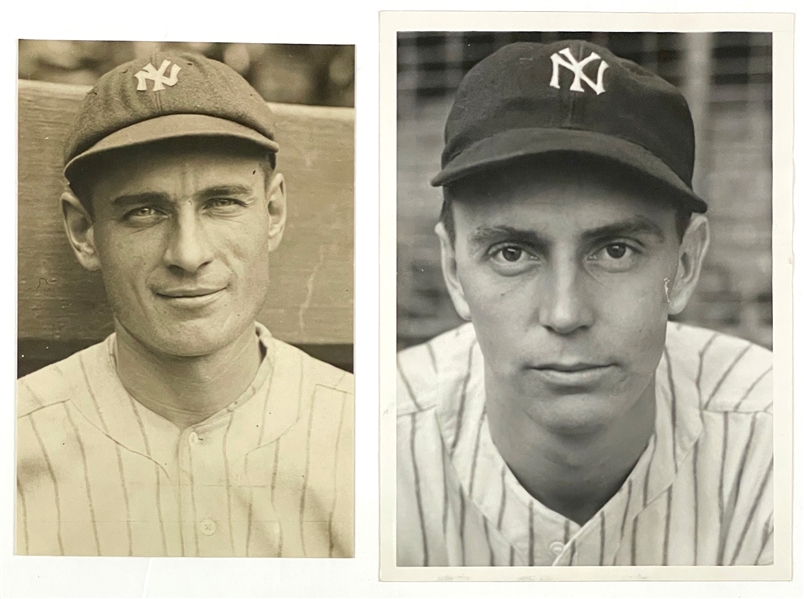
(63, 308)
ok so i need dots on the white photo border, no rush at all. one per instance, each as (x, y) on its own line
(316, 22)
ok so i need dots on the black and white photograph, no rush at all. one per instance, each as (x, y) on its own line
(401, 299)
(185, 300)
(584, 299)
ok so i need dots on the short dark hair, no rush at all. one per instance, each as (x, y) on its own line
(683, 213)
(85, 174)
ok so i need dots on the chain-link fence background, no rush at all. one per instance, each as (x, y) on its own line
(291, 73)
(726, 79)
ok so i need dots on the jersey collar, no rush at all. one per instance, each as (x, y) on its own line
(99, 395)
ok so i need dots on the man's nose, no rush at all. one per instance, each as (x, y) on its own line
(564, 306)
(188, 248)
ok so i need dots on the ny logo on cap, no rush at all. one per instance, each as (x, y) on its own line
(158, 77)
(577, 69)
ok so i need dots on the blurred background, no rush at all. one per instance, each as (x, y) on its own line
(726, 79)
(290, 73)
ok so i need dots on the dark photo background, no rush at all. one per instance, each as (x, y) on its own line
(726, 79)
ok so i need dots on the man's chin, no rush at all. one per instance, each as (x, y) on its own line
(193, 339)
(575, 415)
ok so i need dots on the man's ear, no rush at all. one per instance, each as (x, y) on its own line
(449, 268)
(691, 254)
(80, 232)
(278, 210)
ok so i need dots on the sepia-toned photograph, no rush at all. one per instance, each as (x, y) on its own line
(185, 299)
(584, 299)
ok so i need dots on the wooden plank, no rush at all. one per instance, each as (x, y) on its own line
(33, 354)
(311, 296)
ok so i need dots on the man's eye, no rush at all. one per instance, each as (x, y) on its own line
(511, 259)
(508, 254)
(511, 254)
(616, 257)
(616, 250)
(223, 203)
(143, 214)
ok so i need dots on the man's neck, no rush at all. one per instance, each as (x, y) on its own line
(573, 475)
(187, 390)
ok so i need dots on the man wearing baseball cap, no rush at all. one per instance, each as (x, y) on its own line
(190, 431)
(568, 422)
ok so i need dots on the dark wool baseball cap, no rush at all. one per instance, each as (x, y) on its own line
(163, 96)
(573, 96)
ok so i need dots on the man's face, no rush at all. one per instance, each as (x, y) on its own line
(182, 235)
(563, 278)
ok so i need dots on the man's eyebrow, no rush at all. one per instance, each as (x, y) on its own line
(638, 225)
(146, 197)
(632, 226)
(485, 234)
(226, 190)
(156, 197)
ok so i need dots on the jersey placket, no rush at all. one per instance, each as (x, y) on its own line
(210, 467)
(185, 483)
(546, 538)
(204, 488)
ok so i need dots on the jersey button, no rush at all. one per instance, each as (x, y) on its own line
(208, 526)
(193, 439)
(556, 547)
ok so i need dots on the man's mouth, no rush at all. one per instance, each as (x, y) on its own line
(190, 298)
(572, 374)
(570, 366)
(188, 292)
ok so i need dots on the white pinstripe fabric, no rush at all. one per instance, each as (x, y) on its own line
(270, 475)
(701, 493)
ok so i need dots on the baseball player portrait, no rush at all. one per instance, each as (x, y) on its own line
(572, 419)
(191, 430)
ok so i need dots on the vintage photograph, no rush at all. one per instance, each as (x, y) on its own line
(585, 282)
(185, 300)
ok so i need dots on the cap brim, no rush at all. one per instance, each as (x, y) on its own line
(518, 143)
(171, 126)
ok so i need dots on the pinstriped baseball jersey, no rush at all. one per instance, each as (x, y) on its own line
(270, 475)
(701, 492)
